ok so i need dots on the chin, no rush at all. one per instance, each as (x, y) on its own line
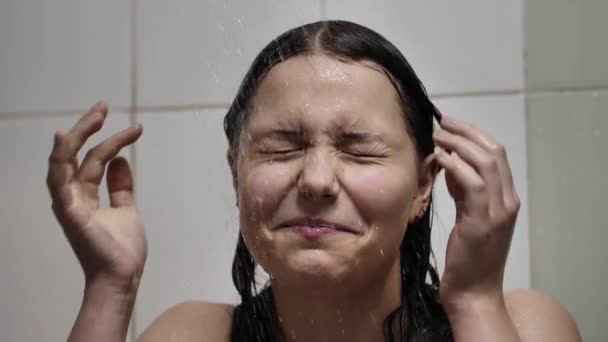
(311, 266)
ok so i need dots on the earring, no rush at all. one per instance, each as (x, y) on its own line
(422, 212)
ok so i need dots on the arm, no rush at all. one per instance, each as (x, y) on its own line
(522, 315)
(109, 243)
(479, 318)
(478, 177)
(104, 315)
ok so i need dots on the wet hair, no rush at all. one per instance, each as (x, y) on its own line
(420, 316)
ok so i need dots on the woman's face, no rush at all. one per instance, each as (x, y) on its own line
(325, 145)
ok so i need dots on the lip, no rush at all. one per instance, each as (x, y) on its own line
(315, 223)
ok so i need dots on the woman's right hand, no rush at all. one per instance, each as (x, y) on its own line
(109, 243)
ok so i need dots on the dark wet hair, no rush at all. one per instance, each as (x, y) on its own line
(420, 316)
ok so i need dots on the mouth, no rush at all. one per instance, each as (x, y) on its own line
(311, 227)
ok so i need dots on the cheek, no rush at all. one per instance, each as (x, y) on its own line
(382, 194)
(261, 189)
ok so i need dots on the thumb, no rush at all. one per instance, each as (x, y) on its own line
(120, 183)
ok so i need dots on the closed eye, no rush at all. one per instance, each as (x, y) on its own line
(281, 151)
(363, 155)
(280, 154)
(374, 152)
(364, 158)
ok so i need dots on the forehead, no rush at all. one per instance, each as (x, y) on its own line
(324, 87)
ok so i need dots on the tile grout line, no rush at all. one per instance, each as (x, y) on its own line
(56, 113)
(505, 92)
(566, 91)
(526, 92)
(222, 106)
(132, 121)
(124, 110)
(183, 108)
(524, 52)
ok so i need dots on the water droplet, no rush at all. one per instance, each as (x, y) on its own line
(215, 77)
(239, 21)
(381, 251)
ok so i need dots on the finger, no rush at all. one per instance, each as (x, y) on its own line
(468, 182)
(63, 160)
(484, 163)
(486, 142)
(92, 168)
(120, 183)
(470, 131)
(61, 170)
(98, 108)
(87, 125)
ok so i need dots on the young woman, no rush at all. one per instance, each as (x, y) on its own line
(332, 153)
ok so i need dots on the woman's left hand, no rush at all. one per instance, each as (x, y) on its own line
(479, 180)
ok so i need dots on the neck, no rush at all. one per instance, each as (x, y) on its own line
(351, 311)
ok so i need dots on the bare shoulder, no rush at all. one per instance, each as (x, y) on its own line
(191, 321)
(540, 317)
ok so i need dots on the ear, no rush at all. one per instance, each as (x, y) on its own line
(233, 164)
(428, 173)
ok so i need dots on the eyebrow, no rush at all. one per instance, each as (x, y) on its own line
(283, 134)
(349, 137)
(359, 137)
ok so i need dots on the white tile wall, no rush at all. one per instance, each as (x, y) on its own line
(42, 282)
(502, 117)
(64, 54)
(192, 52)
(454, 46)
(184, 191)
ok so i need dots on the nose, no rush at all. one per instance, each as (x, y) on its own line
(317, 179)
